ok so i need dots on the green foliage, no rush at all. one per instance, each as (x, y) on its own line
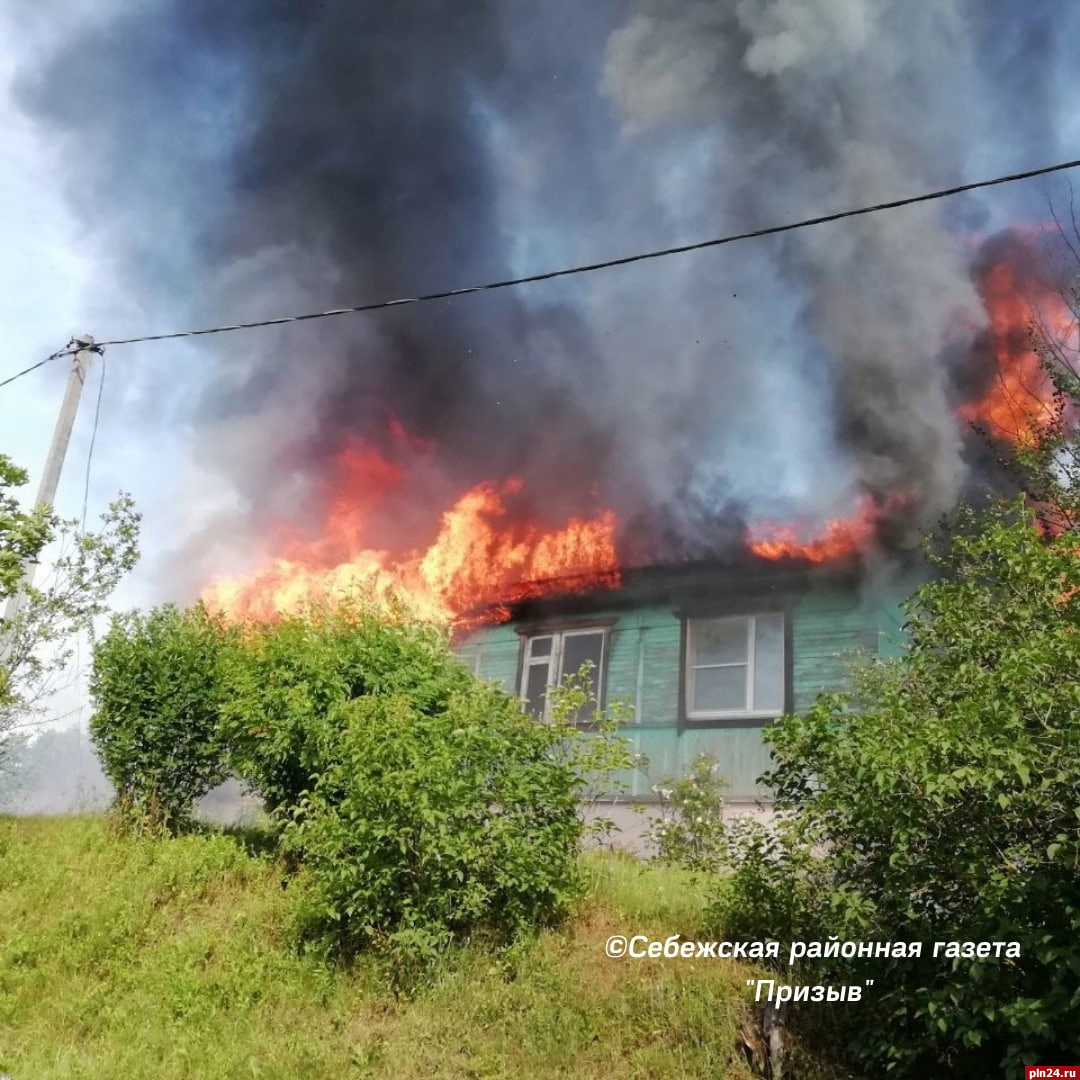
(422, 805)
(591, 745)
(23, 535)
(34, 642)
(940, 802)
(147, 959)
(419, 805)
(690, 830)
(157, 688)
(291, 674)
(427, 827)
(88, 567)
(773, 884)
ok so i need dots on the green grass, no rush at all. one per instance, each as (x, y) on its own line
(124, 959)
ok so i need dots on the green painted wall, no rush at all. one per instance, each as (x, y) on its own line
(828, 629)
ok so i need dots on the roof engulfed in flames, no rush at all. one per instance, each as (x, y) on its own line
(837, 539)
(477, 558)
(1013, 405)
(486, 559)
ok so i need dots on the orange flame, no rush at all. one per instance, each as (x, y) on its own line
(839, 538)
(1017, 404)
(476, 561)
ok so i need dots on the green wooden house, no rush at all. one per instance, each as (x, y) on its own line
(707, 655)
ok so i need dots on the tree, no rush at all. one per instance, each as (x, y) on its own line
(22, 535)
(35, 642)
(940, 801)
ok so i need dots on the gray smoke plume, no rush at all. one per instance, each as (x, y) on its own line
(255, 158)
(822, 105)
(57, 772)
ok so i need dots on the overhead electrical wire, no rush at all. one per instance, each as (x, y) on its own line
(82, 530)
(586, 268)
(65, 351)
(90, 452)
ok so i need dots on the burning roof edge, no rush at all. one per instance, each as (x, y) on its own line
(681, 584)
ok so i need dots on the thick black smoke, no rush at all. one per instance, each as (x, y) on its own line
(249, 158)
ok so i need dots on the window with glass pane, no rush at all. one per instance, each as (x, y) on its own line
(534, 688)
(536, 673)
(767, 692)
(735, 666)
(549, 658)
(583, 647)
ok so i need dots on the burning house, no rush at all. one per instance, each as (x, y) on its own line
(706, 654)
(708, 643)
(705, 472)
(707, 651)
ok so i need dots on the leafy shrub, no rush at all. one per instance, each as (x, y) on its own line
(772, 884)
(691, 831)
(157, 691)
(592, 746)
(940, 801)
(424, 827)
(292, 674)
(419, 805)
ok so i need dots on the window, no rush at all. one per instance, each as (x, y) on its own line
(735, 667)
(549, 658)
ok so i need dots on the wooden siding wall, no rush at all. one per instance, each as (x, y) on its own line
(828, 629)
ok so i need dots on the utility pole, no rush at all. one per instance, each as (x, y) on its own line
(50, 478)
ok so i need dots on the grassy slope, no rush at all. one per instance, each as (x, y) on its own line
(124, 959)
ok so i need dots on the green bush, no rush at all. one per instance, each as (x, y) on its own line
(940, 801)
(423, 805)
(592, 746)
(157, 690)
(293, 673)
(425, 827)
(419, 805)
(690, 830)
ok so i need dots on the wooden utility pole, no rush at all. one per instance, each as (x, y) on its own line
(50, 478)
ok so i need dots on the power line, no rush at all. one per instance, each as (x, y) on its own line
(585, 268)
(65, 351)
(610, 263)
(93, 440)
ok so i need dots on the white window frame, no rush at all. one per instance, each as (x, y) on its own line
(554, 662)
(751, 650)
